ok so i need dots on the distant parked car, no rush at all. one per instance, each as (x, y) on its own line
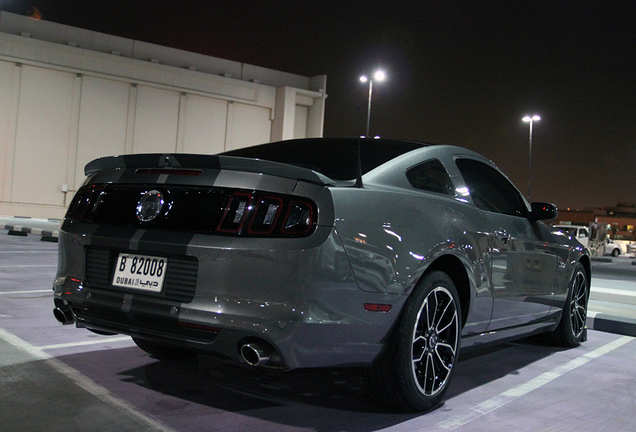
(579, 232)
(612, 248)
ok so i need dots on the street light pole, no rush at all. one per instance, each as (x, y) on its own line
(369, 107)
(530, 120)
(378, 76)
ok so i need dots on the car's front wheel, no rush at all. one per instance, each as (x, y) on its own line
(616, 252)
(571, 330)
(419, 371)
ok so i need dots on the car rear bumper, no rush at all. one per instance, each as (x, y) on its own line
(297, 297)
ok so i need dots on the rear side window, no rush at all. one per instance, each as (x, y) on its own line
(490, 190)
(431, 176)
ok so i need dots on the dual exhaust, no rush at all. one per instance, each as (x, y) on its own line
(64, 315)
(254, 353)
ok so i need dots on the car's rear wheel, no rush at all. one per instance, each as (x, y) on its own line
(419, 371)
(571, 329)
(162, 351)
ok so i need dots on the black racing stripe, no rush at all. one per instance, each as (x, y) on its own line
(197, 161)
(116, 237)
(131, 176)
(141, 160)
(165, 242)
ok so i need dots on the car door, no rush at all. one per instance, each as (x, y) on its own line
(523, 262)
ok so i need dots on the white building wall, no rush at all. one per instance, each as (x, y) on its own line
(156, 120)
(239, 115)
(68, 96)
(206, 120)
(102, 123)
(44, 126)
(300, 121)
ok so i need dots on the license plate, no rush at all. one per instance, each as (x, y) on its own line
(140, 272)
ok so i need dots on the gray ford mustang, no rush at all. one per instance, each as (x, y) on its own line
(380, 254)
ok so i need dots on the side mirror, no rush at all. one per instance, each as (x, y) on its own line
(543, 211)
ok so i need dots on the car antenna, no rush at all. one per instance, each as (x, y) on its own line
(358, 182)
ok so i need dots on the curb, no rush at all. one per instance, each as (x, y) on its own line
(602, 259)
(611, 324)
(17, 228)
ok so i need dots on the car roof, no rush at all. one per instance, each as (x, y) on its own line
(336, 158)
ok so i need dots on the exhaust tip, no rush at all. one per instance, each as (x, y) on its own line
(64, 316)
(255, 354)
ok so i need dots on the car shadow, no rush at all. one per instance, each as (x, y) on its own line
(322, 399)
(478, 367)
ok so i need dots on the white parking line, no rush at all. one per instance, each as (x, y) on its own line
(26, 292)
(28, 252)
(92, 342)
(613, 291)
(523, 389)
(85, 383)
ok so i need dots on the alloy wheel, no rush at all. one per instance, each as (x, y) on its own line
(435, 341)
(578, 304)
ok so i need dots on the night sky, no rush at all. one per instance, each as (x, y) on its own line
(458, 72)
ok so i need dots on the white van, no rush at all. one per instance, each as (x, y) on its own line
(579, 232)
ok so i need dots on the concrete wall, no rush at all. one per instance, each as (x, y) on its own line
(68, 96)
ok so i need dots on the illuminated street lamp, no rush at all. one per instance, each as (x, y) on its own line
(378, 76)
(530, 120)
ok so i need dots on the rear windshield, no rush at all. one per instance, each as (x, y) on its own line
(336, 158)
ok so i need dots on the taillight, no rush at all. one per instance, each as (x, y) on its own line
(299, 219)
(235, 213)
(85, 203)
(220, 211)
(267, 215)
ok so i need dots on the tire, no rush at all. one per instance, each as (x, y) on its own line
(420, 368)
(571, 329)
(616, 252)
(163, 352)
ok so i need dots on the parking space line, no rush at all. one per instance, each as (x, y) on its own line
(535, 383)
(92, 342)
(30, 252)
(614, 291)
(26, 292)
(85, 383)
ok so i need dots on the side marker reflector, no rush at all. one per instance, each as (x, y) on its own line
(377, 307)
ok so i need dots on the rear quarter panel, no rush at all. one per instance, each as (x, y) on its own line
(391, 236)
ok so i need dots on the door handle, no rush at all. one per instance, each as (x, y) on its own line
(502, 235)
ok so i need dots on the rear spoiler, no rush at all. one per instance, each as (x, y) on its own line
(195, 161)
